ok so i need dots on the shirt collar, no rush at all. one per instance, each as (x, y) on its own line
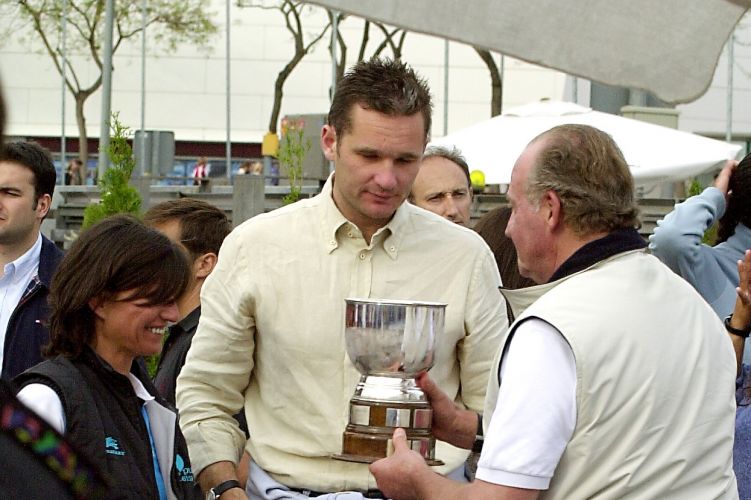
(139, 388)
(334, 225)
(617, 241)
(190, 321)
(25, 263)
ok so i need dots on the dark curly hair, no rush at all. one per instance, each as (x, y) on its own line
(116, 255)
(738, 209)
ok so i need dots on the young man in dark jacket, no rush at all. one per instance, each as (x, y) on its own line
(27, 259)
(200, 228)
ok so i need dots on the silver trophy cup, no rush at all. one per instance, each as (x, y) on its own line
(390, 342)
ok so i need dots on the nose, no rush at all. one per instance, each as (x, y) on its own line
(450, 210)
(509, 226)
(170, 312)
(385, 176)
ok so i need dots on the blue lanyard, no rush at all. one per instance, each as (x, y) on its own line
(157, 471)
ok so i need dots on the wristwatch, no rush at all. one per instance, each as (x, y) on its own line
(740, 332)
(220, 488)
(479, 438)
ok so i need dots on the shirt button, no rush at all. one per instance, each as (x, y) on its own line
(362, 256)
(392, 248)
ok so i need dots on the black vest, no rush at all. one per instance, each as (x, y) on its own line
(103, 418)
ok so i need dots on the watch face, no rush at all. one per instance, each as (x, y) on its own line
(210, 495)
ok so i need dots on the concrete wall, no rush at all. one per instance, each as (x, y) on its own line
(186, 89)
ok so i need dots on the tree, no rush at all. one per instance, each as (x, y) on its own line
(170, 22)
(118, 197)
(292, 11)
(388, 41)
(292, 153)
(496, 82)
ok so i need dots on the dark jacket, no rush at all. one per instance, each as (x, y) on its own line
(174, 351)
(27, 329)
(173, 354)
(104, 420)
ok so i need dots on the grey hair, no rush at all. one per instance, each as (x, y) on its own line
(586, 169)
(452, 154)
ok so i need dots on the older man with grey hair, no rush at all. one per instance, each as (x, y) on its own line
(616, 382)
(442, 185)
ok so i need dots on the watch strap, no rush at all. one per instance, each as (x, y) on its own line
(479, 437)
(736, 331)
(223, 487)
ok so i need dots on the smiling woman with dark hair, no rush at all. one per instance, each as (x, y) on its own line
(113, 298)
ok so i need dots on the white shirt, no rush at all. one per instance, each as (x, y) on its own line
(16, 278)
(535, 415)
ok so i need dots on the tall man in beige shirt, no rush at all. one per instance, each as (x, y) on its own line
(271, 335)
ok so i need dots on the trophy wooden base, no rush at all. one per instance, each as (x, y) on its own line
(368, 436)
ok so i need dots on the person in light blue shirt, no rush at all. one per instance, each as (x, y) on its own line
(677, 239)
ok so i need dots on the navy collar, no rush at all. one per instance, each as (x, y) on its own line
(189, 322)
(619, 241)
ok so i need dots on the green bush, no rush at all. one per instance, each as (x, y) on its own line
(117, 196)
(292, 152)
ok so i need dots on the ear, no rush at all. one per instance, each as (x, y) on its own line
(97, 306)
(329, 142)
(43, 206)
(203, 265)
(551, 203)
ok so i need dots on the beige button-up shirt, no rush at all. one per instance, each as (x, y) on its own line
(271, 334)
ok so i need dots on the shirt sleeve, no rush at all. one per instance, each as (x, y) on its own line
(485, 323)
(535, 413)
(217, 368)
(677, 239)
(46, 403)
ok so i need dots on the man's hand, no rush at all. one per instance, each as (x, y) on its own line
(722, 182)
(396, 474)
(741, 318)
(451, 423)
(405, 476)
(217, 473)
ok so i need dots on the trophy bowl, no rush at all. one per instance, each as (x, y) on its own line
(390, 342)
(392, 338)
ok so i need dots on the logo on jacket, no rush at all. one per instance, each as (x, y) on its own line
(184, 473)
(112, 447)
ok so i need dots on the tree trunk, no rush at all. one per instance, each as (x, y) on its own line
(364, 41)
(279, 89)
(496, 101)
(83, 139)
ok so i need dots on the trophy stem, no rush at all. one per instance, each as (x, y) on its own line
(379, 406)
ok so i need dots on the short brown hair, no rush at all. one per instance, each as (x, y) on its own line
(389, 87)
(588, 172)
(203, 226)
(115, 255)
(33, 156)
